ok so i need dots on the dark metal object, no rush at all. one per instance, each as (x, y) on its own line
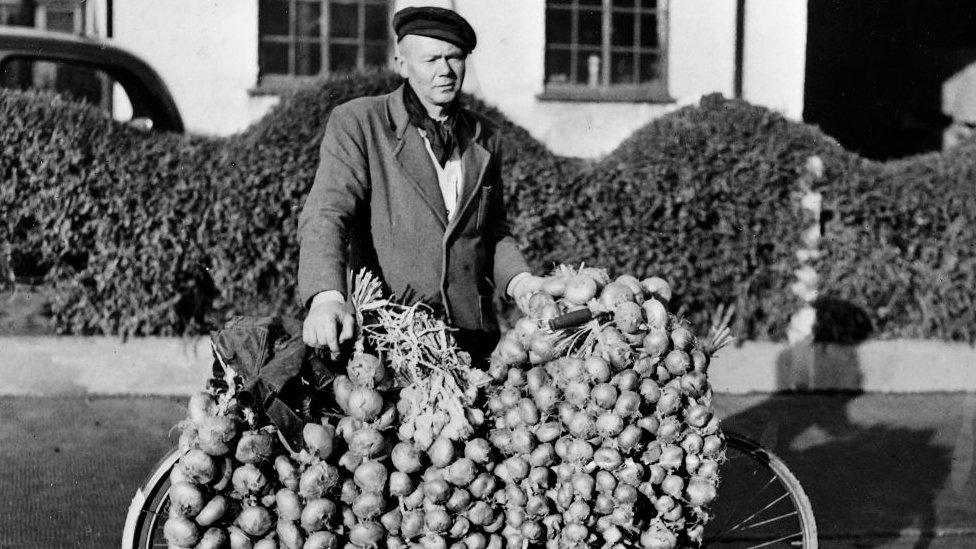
(148, 93)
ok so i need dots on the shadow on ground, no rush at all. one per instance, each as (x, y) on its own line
(855, 475)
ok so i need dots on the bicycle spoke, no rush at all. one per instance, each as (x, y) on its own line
(752, 516)
(774, 519)
(775, 541)
(725, 529)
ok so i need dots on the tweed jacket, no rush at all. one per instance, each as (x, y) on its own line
(376, 203)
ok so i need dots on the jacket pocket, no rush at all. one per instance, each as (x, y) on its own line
(483, 202)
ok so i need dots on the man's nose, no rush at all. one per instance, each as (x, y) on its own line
(444, 68)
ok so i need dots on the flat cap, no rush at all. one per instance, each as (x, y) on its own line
(433, 22)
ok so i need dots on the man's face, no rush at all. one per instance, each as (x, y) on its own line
(434, 68)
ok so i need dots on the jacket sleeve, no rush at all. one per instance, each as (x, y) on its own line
(340, 187)
(508, 259)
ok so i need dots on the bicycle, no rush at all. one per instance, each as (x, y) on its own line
(776, 514)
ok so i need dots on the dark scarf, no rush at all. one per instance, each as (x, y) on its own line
(442, 135)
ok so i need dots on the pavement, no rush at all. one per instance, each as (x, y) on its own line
(886, 471)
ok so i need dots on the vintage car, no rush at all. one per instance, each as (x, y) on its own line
(91, 70)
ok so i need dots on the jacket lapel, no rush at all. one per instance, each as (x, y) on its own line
(413, 158)
(474, 162)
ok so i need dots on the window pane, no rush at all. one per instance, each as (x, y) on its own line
(77, 82)
(648, 34)
(60, 20)
(273, 58)
(591, 2)
(344, 20)
(589, 67)
(648, 4)
(308, 58)
(623, 68)
(650, 67)
(342, 57)
(623, 3)
(557, 66)
(590, 27)
(377, 24)
(559, 26)
(377, 56)
(622, 29)
(309, 14)
(559, 2)
(272, 17)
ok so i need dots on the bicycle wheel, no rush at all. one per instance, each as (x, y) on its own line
(149, 507)
(760, 502)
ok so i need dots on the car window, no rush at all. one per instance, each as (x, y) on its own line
(74, 81)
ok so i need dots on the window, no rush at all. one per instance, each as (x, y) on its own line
(305, 38)
(606, 50)
(74, 81)
(17, 12)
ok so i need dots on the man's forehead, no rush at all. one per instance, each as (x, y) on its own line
(426, 45)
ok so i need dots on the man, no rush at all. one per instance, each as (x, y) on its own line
(410, 183)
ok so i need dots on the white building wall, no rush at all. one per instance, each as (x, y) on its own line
(775, 55)
(205, 50)
(508, 71)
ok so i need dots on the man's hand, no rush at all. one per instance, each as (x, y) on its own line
(522, 287)
(330, 322)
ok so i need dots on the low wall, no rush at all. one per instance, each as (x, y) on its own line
(50, 366)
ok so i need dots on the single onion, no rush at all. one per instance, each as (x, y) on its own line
(186, 500)
(655, 313)
(692, 443)
(627, 317)
(625, 494)
(672, 457)
(371, 476)
(516, 377)
(613, 294)
(411, 523)
(528, 412)
(548, 432)
(682, 338)
(579, 451)
(437, 520)
(482, 486)
(604, 395)
(215, 538)
(214, 510)
(583, 485)
(577, 392)
(708, 468)
(628, 404)
(441, 452)
(711, 446)
(700, 491)
(365, 404)
(597, 368)
(677, 362)
(609, 425)
(318, 479)
(631, 473)
(462, 472)
(255, 520)
(368, 505)
(391, 521)
(627, 380)
(692, 462)
(697, 415)
(580, 289)
(605, 482)
(673, 485)
(289, 535)
(248, 479)
(321, 540)
(198, 466)
(540, 476)
(657, 287)
(181, 532)
(607, 458)
(669, 430)
(319, 439)
(650, 391)
(366, 534)
(459, 501)
(546, 397)
(215, 433)
(543, 454)
(629, 438)
(406, 457)
(201, 406)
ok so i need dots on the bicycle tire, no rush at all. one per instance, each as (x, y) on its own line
(146, 508)
(736, 443)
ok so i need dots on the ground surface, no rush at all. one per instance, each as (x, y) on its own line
(881, 471)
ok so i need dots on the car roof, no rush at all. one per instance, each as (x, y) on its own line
(141, 82)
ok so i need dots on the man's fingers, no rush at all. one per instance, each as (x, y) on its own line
(330, 333)
(348, 328)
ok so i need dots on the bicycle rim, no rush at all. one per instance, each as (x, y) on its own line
(760, 503)
(149, 508)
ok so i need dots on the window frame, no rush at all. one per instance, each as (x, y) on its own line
(272, 83)
(655, 91)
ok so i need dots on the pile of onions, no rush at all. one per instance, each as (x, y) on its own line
(608, 436)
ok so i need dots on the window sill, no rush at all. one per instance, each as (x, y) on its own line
(280, 85)
(615, 94)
